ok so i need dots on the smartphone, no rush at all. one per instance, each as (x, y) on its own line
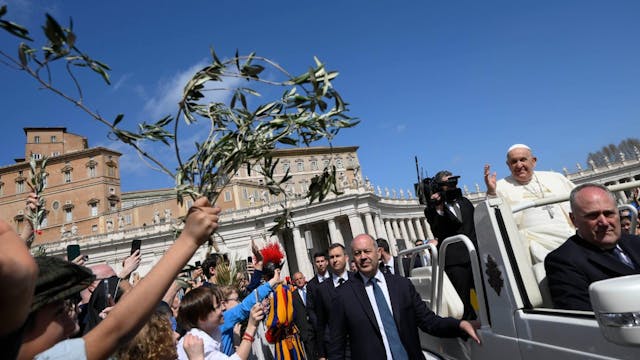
(73, 251)
(107, 293)
(249, 260)
(135, 245)
(198, 263)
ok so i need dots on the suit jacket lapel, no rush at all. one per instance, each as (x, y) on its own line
(365, 304)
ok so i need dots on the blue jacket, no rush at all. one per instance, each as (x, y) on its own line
(237, 314)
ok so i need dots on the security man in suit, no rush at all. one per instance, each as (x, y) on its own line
(597, 251)
(301, 315)
(379, 314)
(325, 293)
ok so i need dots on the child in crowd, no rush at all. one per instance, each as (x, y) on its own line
(201, 312)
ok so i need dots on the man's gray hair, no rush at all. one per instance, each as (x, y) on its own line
(577, 189)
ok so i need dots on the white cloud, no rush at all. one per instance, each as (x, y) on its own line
(165, 102)
(118, 84)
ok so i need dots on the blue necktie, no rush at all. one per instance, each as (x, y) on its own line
(395, 344)
(303, 291)
(623, 257)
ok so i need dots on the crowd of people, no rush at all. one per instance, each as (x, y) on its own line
(355, 306)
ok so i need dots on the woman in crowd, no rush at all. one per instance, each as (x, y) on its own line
(155, 341)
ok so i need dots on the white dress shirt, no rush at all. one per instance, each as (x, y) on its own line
(382, 283)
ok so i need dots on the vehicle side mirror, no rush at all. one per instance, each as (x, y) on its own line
(617, 309)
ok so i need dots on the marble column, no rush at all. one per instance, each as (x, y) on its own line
(379, 228)
(387, 224)
(356, 225)
(393, 245)
(302, 257)
(403, 230)
(412, 231)
(396, 229)
(370, 228)
(334, 234)
(426, 225)
(418, 226)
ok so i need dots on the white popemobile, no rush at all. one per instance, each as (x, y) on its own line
(517, 319)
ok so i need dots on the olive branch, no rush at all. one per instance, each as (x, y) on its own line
(240, 134)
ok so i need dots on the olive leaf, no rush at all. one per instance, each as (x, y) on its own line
(243, 133)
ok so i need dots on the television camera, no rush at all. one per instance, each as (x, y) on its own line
(426, 187)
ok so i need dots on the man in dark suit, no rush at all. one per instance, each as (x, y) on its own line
(321, 262)
(598, 251)
(323, 299)
(388, 263)
(381, 313)
(449, 213)
(300, 314)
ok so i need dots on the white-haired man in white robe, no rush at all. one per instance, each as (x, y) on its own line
(546, 227)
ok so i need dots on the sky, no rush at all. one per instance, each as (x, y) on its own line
(454, 83)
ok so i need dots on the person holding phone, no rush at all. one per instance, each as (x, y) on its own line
(134, 310)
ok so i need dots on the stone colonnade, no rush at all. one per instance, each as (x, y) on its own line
(315, 227)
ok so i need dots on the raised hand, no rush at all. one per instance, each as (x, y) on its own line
(490, 180)
(194, 347)
(202, 221)
(130, 264)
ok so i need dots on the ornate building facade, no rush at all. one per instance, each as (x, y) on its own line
(85, 205)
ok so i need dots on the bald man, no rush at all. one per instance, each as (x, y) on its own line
(598, 251)
(546, 227)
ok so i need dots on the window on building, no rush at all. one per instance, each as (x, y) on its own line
(300, 166)
(1, 188)
(325, 163)
(94, 209)
(68, 215)
(36, 156)
(55, 153)
(67, 176)
(112, 206)
(245, 193)
(285, 166)
(20, 186)
(45, 180)
(55, 205)
(128, 219)
(227, 195)
(36, 139)
(94, 228)
(92, 170)
(19, 225)
(44, 221)
(339, 164)
(314, 164)
(350, 162)
(111, 170)
(53, 138)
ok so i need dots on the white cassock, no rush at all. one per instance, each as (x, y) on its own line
(545, 227)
